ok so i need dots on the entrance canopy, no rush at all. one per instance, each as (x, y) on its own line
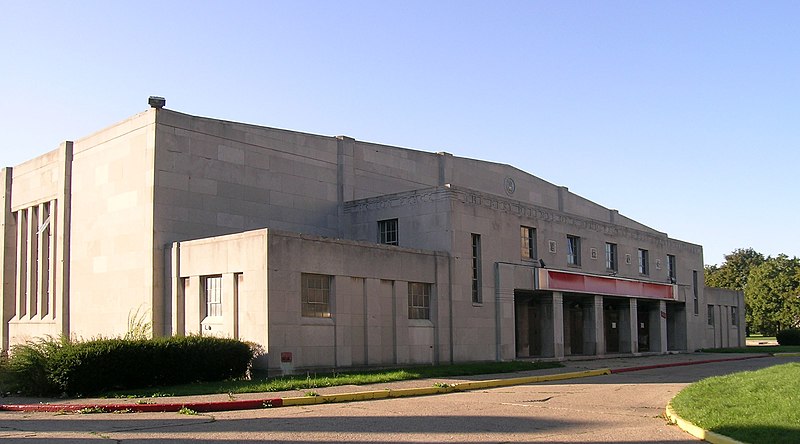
(554, 280)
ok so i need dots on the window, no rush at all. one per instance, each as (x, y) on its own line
(316, 295)
(694, 291)
(734, 316)
(711, 315)
(611, 257)
(573, 250)
(387, 232)
(419, 300)
(212, 293)
(671, 268)
(528, 242)
(477, 298)
(644, 262)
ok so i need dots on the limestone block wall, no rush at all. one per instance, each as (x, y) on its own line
(728, 325)
(111, 244)
(35, 255)
(239, 261)
(369, 322)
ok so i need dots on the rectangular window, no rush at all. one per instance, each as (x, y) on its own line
(419, 300)
(316, 295)
(644, 262)
(734, 316)
(695, 293)
(387, 231)
(212, 293)
(711, 315)
(477, 297)
(673, 277)
(528, 242)
(611, 257)
(573, 250)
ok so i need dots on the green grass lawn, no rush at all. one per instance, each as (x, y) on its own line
(760, 338)
(760, 406)
(314, 380)
(756, 349)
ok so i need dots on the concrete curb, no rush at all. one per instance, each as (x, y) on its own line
(681, 364)
(217, 406)
(300, 400)
(698, 432)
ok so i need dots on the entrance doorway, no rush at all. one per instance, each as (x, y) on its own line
(533, 329)
(611, 326)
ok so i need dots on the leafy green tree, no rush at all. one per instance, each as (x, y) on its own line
(773, 295)
(733, 273)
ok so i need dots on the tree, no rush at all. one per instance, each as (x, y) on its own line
(773, 295)
(734, 271)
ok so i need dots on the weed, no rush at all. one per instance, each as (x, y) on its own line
(139, 327)
(186, 411)
(312, 393)
(94, 409)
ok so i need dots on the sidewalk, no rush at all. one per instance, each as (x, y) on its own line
(345, 393)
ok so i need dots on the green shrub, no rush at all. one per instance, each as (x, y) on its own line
(81, 368)
(789, 337)
(27, 370)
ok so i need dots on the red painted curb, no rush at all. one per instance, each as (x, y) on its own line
(252, 404)
(218, 406)
(680, 364)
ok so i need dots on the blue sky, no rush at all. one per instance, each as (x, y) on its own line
(681, 115)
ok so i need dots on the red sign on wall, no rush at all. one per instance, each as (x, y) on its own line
(582, 283)
(286, 356)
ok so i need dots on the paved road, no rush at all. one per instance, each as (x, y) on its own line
(624, 407)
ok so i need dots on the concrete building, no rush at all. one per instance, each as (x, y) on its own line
(332, 252)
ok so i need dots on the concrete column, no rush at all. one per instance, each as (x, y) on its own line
(8, 259)
(194, 305)
(61, 229)
(658, 328)
(177, 297)
(32, 255)
(633, 325)
(599, 327)
(41, 262)
(558, 324)
(22, 264)
(230, 304)
(52, 266)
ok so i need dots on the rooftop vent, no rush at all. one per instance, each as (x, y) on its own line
(157, 102)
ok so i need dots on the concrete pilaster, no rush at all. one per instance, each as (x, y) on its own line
(230, 304)
(176, 297)
(61, 227)
(658, 328)
(31, 253)
(194, 305)
(22, 264)
(599, 327)
(8, 294)
(558, 324)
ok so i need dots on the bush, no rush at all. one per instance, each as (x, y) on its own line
(80, 368)
(26, 370)
(788, 337)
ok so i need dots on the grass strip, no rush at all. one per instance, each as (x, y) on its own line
(316, 380)
(755, 349)
(761, 406)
